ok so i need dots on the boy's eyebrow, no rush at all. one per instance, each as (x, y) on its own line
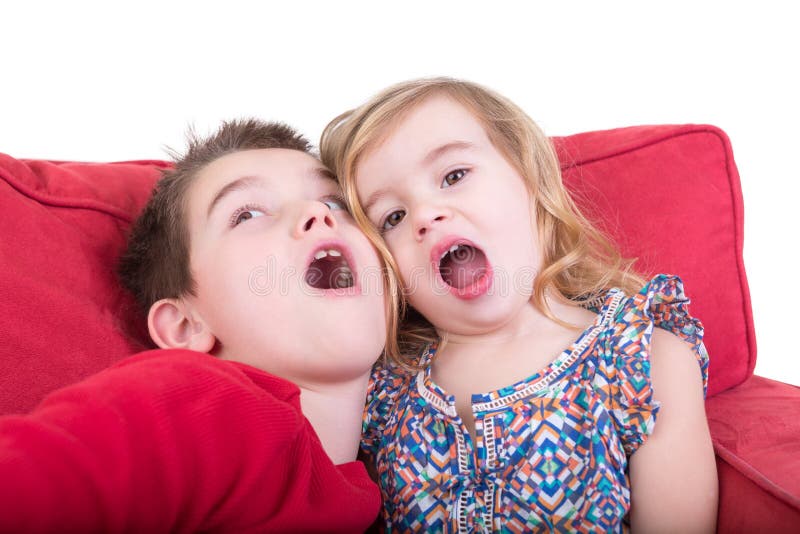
(324, 172)
(237, 185)
(249, 181)
(429, 158)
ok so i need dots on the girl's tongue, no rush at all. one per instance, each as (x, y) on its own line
(463, 266)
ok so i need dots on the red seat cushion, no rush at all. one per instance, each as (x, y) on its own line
(670, 196)
(756, 433)
(63, 315)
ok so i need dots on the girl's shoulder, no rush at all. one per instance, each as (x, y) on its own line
(388, 379)
(387, 383)
(622, 354)
(661, 303)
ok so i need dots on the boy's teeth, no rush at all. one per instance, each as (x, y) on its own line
(330, 252)
(324, 253)
(344, 279)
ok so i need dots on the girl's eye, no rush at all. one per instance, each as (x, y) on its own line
(245, 213)
(393, 219)
(453, 177)
(335, 203)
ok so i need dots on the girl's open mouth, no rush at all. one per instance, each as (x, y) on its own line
(464, 268)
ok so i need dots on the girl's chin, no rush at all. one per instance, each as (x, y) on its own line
(485, 321)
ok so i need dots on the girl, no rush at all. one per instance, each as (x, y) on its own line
(534, 377)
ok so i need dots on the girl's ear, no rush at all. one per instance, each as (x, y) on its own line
(172, 325)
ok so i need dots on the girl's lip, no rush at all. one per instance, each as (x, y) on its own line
(476, 289)
(341, 246)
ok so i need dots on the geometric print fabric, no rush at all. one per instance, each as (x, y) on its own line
(550, 452)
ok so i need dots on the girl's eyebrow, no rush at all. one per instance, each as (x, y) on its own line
(440, 151)
(429, 158)
(375, 197)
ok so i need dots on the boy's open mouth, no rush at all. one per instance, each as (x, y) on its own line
(329, 270)
(465, 268)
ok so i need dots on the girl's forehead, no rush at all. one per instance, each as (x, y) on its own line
(421, 132)
(440, 110)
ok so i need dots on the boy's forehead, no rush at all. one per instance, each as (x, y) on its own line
(280, 167)
(269, 162)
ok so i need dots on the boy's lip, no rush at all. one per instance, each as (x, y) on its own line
(347, 254)
(477, 289)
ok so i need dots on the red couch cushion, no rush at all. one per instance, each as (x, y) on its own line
(63, 315)
(670, 196)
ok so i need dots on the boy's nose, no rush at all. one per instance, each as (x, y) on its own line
(313, 214)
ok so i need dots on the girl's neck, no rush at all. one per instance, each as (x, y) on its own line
(528, 321)
(335, 411)
(489, 360)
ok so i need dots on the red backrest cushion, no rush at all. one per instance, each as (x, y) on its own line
(63, 314)
(669, 195)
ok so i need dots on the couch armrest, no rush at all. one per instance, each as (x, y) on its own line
(755, 428)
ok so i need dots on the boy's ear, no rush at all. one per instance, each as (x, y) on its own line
(173, 326)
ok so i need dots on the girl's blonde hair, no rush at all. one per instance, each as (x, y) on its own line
(578, 262)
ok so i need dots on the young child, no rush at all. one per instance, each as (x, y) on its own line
(254, 275)
(536, 394)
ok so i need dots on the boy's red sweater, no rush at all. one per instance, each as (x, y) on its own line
(176, 441)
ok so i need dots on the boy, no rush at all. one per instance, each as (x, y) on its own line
(269, 303)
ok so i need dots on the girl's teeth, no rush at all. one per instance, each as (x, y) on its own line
(319, 255)
(334, 253)
(448, 251)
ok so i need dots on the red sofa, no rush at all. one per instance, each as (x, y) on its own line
(669, 195)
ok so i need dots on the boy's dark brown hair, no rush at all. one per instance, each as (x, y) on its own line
(155, 264)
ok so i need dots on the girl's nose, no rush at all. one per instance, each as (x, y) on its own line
(427, 218)
(313, 214)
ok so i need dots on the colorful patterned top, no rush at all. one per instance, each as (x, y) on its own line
(551, 451)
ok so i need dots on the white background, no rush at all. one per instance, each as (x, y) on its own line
(107, 81)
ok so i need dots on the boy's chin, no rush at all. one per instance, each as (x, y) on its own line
(352, 358)
(337, 371)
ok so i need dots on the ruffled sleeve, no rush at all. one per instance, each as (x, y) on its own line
(384, 387)
(623, 367)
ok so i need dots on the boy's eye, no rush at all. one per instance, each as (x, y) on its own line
(393, 219)
(335, 203)
(244, 214)
(453, 177)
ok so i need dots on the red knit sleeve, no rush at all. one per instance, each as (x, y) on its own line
(169, 441)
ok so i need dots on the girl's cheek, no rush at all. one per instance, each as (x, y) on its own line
(406, 265)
